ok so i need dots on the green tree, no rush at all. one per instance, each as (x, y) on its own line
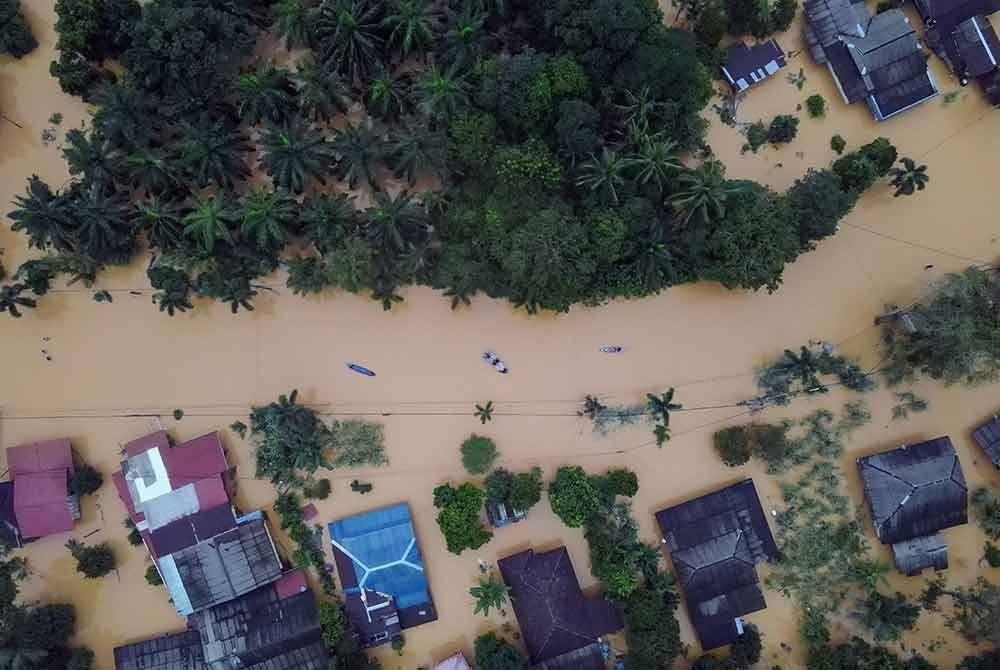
(288, 437)
(37, 274)
(86, 479)
(389, 94)
(733, 445)
(294, 154)
(838, 144)
(888, 617)
(92, 562)
(12, 302)
(333, 624)
(412, 25)
(495, 653)
(417, 150)
(442, 93)
(210, 221)
(266, 93)
(909, 178)
(651, 628)
(816, 204)
(986, 507)
(484, 412)
(161, 220)
(15, 33)
(498, 485)
(459, 516)
(573, 496)
(172, 288)
(576, 129)
(702, 193)
(266, 216)
(212, 152)
(359, 149)
(490, 593)
(465, 31)
(604, 175)
(816, 106)
(292, 22)
(526, 489)
(395, 222)
(478, 454)
(660, 407)
(783, 129)
(45, 217)
(322, 92)
(656, 162)
(153, 577)
(350, 36)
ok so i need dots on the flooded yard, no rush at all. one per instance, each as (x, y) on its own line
(100, 374)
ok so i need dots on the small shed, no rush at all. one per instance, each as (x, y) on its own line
(42, 503)
(746, 66)
(913, 493)
(454, 662)
(987, 436)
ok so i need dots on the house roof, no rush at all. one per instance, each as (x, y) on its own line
(590, 657)
(913, 556)
(553, 614)
(746, 66)
(8, 521)
(191, 529)
(973, 48)
(987, 436)
(454, 662)
(176, 651)
(262, 630)
(915, 490)
(40, 457)
(41, 503)
(715, 542)
(946, 14)
(378, 551)
(222, 568)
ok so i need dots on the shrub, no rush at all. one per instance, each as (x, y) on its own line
(357, 442)
(15, 33)
(622, 482)
(573, 496)
(816, 204)
(782, 15)
(816, 106)
(498, 485)
(153, 576)
(651, 628)
(987, 510)
(398, 643)
(756, 136)
(882, 153)
(526, 489)
(783, 129)
(478, 454)
(460, 518)
(318, 489)
(82, 658)
(712, 25)
(495, 653)
(472, 138)
(85, 480)
(856, 172)
(92, 562)
(528, 167)
(888, 617)
(134, 536)
(733, 445)
(333, 624)
(838, 144)
(991, 554)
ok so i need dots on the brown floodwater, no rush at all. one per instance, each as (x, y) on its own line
(112, 361)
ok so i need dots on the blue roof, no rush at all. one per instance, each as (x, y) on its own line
(382, 547)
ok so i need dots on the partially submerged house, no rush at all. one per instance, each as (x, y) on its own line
(913, 493)
(176, 651)
(560, 627)
(746, 66)
(961, 34)
(382, 573)
(715, 542)
(877, 58)
(40, 474)
(987, 436)
(501, 514)
(454, 662)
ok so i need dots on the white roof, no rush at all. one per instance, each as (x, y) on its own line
(455, 662)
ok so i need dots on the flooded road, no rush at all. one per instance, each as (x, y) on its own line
(112, 361)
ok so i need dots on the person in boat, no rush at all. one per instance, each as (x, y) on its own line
(500, 367)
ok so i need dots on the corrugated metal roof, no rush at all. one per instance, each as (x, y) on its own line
(176, 651)
(987, 436)
(41, 503)
(39, 457)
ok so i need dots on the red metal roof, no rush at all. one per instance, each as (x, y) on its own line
(157, 440)
(211, 492)
(200, 458)
(290, 584)
(119, 480)
(40, 503)
(39, 457)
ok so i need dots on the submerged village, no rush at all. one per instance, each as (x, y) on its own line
(497, 334)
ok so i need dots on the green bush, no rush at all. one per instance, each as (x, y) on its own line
(991, 554)
(526, 489)
(838, 144)
(86, 479)
(498, 485)
(622, 482)
(986, 507)
(92, 562)
(460, 516)
(651, 629)
(15, 33)
(153, 576)
(318, 489)
(733, 445)
(783, 129)
(756, 136)
(478, 454)
(472, 138)
(333, 624)
(816, 106)
(817, 204)
(527, 168)
(573, 496)
(495, 653)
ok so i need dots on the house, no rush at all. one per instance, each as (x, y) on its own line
(746, 66)
(913, 493)
(715, 542)
(454, 662)
(382, 573)
(176, 651)
(987, 436)
(270, 628)
(40, 473)
(559, 626)
(961, 34)
(221, 568)
(877, 59)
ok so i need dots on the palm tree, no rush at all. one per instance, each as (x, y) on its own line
(105, 225)
(592, 407)
(292, 22)
(358, 149)
(21, 658)
(703, 193)
(327, 220)
(295, 153)
(637, 111)
(266, 94)
(661, 406)
(412, 24)
(440, 94)
(348, 35)
(463, 38)
(215, 152)
(484, 412)
(152, 170)
(322, 92)
(173, 288)
(91, 156)
(11, 300)
(910, 178)
(127, 115)
(604, 174)
(228, 285)
(395, 222)
(210, 221)
(655, 162)
(161, 220)
(45, 217)
(417, 150)
(489, 593)
(266, 216)
(388, 94)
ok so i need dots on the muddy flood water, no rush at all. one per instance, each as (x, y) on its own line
(112, 361)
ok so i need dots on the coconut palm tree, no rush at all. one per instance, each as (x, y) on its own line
(661, 406)
(604, 174)
(441, 93)
(210, 221)
(909, 178)
(266, 216)
(592, 407)
(11, 300)
(464, 35)
(294, 153)
(637, 110)
(655, 161)
(161, 220)
(702, 193)
(417, 150)
(489, 593)
(214, 152)
(388, 94)
(266, 94)
(322, 92)
(484, 412)
(45, 217)
(412, 25)
(349, 35)
(293, 21)
(394, 223)
(358, 150)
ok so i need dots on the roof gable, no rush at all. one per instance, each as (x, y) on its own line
(41, 504)
(40, 457)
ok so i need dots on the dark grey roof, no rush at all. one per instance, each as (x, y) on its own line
(913, 556)
(946, 14)
(973, 48)
(8, 521)
(554, 617)
(191, 529)
(584, 658)
(915, 491)
(714, 543)
(227, 566)
(259, 630)
(746, 66)
(177, 651)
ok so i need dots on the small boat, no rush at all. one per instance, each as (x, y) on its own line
(361, 369)
(494, 362)
(611, 350)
